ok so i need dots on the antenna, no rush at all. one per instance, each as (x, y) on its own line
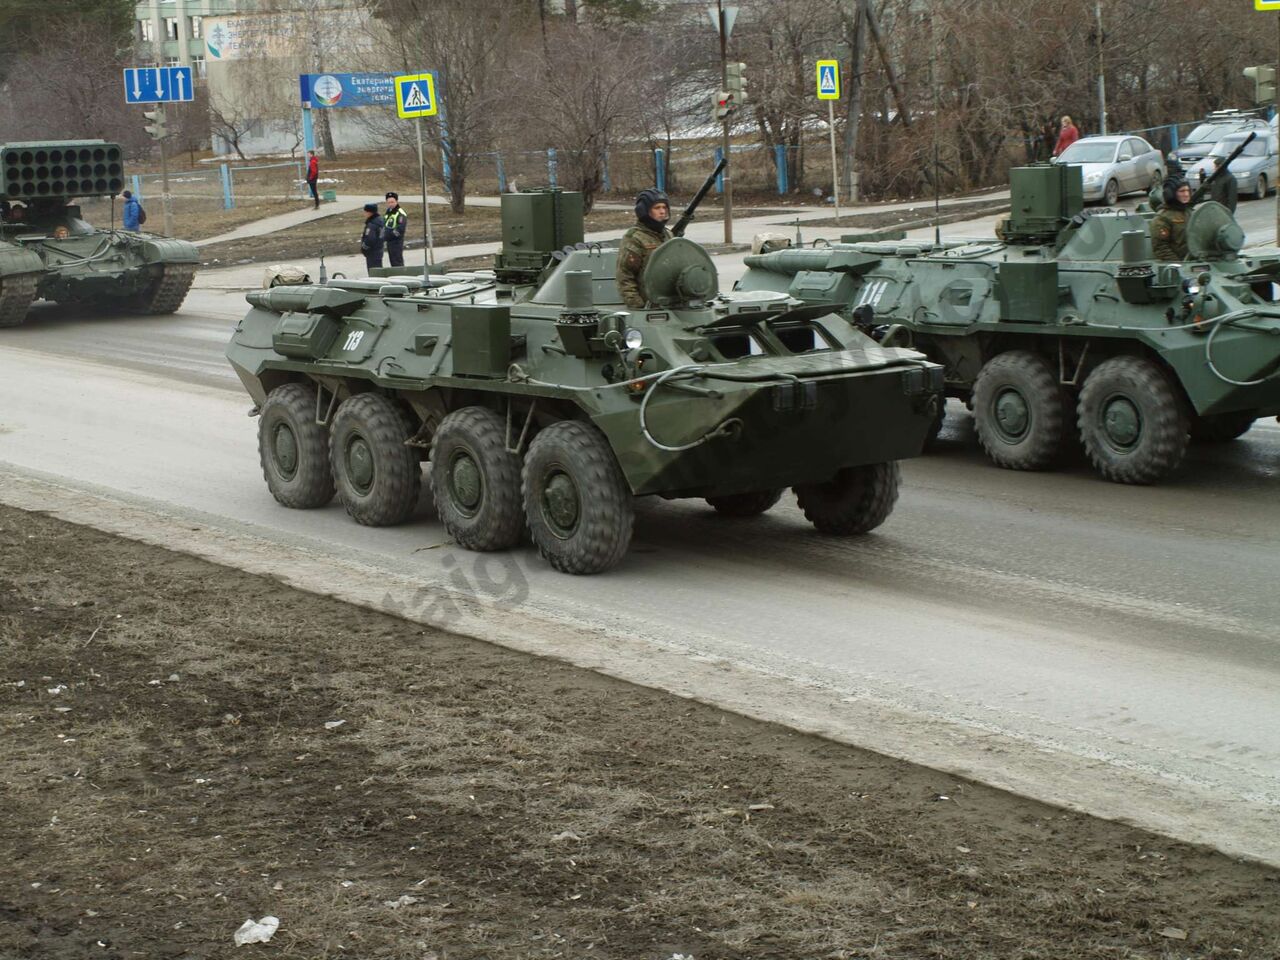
(937, 119)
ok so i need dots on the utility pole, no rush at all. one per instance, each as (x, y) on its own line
(1277, 86)
(727, 176)
(1102, 72)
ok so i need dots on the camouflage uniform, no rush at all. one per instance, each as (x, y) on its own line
(633, 253)
(1169, 235)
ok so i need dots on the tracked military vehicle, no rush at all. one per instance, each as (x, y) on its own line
(541, 402)
(1063, 328)
(48, 251)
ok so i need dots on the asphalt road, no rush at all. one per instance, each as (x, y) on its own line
(1110, 648)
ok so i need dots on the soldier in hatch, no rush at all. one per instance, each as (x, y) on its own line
(653, 210)
(1169, 228)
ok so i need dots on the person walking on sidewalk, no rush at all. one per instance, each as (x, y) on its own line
(1067, 135)
(394, 223)
(371, 239)
(313, 177)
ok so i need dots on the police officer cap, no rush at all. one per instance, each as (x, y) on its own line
(391, 195)
(645, 200)
(370, 208)
(1171, 188)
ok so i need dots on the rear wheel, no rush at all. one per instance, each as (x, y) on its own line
(856, 500)
(1222, 427)
(1019, 411)
(1132, 421)
(745, 504)
(294, 449)
(576, 500)
(476, 480)
(1111, 193)
(378, 478)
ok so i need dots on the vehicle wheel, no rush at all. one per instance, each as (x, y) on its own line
(166, 292)
(576, 500)
(16, 296)
(377, 476)
(1222, 427)
(1018, 411)
(294, 449)
(1111, 193)
(1132, 421)
(1157, 182)
(1261, 192)
(856, 500)
(476, 480)
(745, 504)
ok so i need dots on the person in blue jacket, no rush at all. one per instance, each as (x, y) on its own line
(371, 241)
(132, 212)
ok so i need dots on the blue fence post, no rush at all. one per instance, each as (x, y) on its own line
(551, 167)
(502, 173)
(308, 129)
(719, 177)
(1173, 136)
(228, 200)
(780, 162)
(137, 187)
(660, 169)
(608, 187)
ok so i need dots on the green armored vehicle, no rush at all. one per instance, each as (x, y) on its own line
(1064, 328)
(48, 251)
(541, 401)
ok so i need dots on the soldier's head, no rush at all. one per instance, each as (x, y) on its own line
(370, 210)
(392, 198)
(1219, 161)
(653, 205)
(1177, 193)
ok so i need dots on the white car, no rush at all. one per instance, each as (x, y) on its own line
(1114, 166)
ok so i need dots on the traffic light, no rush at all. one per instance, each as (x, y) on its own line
(724, 105)
(1264, 83)
(735, 81)
(155, 123)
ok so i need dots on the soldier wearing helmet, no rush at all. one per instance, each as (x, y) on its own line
(653, 210)
(1169, 228)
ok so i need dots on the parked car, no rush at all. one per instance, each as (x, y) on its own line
(1114, 166)
(1221, 123)
(1257, 170)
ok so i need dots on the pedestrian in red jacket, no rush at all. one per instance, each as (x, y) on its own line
(313, 177)
(1067, 135)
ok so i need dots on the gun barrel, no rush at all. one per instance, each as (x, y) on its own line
(687, 216)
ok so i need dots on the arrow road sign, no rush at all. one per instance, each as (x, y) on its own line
(828, 80)
(416, 96)
(158, 85)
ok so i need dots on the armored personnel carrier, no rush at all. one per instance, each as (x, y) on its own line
(540, 401)
(1064, 327)
(48, 251)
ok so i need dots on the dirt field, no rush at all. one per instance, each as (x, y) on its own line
(185, 747)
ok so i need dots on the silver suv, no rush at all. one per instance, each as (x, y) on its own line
(1221, 123)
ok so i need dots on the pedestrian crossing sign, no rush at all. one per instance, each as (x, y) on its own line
(828, 79)
(416, 96)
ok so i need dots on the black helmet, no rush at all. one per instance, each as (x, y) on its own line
(645, 200)
(1171, 188)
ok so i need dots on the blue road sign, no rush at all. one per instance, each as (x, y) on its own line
(828, 80)
(416, 95)
(158, 85)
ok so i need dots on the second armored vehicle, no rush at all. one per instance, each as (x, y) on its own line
(541, 402)
(1064, 327)
(48, 251)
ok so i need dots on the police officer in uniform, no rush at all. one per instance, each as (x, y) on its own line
(394, 222)
(653, 210)
(371, 239)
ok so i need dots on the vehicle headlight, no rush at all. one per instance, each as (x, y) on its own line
(634, 339)
(1190, 287)
(1093, 178)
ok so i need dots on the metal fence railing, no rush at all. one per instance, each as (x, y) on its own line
(270, 181)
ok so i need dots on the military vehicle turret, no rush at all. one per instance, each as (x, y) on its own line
(48, 251)
(541, 402)
(1064, 326)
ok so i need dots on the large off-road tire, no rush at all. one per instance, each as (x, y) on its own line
(294, 449)
(166, 292)
(378, 478)
(856, 500)
(745, 504)
(1019, 411)
(1222, 427)
(576, 500)
(476, 481)
(1132, 420)
(16, 296)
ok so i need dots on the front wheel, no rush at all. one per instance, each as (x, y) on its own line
(1261, 192)
(1018, 411)
(576, 500)
(476, 480)
(1132, 421)
(377, 476)
(294, 448)
(856, 500)
(745, 504)
(1111, 193)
